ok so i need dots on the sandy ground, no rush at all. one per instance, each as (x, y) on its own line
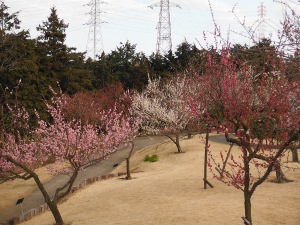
(170, 191)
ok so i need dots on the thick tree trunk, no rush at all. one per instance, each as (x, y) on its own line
(52, 204)
(54, 210)
(280, 177)
(247, 203)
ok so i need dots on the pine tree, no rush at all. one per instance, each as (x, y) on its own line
(18, 68)
(52, 51)
(8, 21)
(128, 66)
(59, 63)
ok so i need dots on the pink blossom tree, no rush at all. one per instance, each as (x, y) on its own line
(70, 142)
(163, 108)
(249, 111)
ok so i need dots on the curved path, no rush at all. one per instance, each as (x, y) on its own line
(35, 199)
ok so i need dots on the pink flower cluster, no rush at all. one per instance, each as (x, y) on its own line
(67, 141)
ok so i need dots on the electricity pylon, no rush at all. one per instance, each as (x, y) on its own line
(262, 21)
(95, 41)
(164, 40)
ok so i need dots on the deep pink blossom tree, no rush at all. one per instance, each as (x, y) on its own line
(68, 141)
(261, 116)
(87, 105)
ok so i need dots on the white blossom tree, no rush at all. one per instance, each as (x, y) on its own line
(163, 107)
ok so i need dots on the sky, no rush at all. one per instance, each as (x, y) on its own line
(134, 21)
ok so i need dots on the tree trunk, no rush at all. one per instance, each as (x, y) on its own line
(205, 157)
(280, 177)
(294, 150)
(247, 193)
(175, 141)
(128, 176)
(52, 204)
(189, 135)
(178, 144)
(54, 210)
(247, 203)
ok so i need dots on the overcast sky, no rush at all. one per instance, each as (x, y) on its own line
(134, 21)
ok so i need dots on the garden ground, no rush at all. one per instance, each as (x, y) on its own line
(170, 191)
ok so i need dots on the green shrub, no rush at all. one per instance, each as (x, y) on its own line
(152, 158)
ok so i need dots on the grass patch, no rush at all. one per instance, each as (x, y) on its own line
(151, 158)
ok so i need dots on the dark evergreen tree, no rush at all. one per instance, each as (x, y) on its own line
(18, 68)
(103, 72)
(52, 51)
(186, 55)
(77, 77)
(10, 24)
(159, 66)
(58, 62)
(263, 57)
(9, 21)
(128, 67)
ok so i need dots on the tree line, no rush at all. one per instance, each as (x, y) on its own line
(33, 64)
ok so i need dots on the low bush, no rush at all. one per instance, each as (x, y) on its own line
(152, 158)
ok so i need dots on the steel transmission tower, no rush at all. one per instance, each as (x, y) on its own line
(262, 21)
(95, 41)
(164, 40)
